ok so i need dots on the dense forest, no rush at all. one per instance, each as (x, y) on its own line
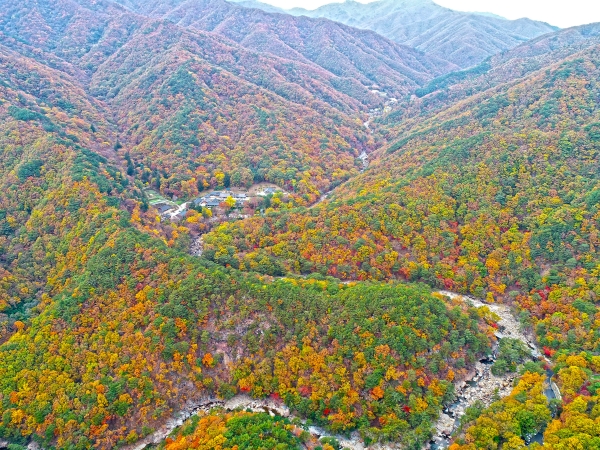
(484, 182)
(107, 330)
(196, 111)
(499, 212)
(495, 196)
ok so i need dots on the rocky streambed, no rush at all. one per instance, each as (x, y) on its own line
(483, 386)
(243, 402)
(508, 324)
(205, 406)
(197, 247)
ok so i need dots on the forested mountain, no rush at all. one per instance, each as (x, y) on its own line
(505, 67)
(359, 59)
(483, 182)
(127, 330)
(45, 113)
(496, 195)
(141, 68)
(108, 327)
(523, 132)
(464, 39)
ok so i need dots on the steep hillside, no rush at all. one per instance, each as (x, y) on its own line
(45, 114)
(190, 114)
(464, 39)
(244, 115)
(126, 330)
(505, 67)
(110, 330)
(497, 196)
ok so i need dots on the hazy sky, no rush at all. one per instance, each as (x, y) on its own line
(563, 13)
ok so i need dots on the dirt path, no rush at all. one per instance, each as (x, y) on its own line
(322, 198)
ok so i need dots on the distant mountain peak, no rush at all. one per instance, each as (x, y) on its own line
(463, 38)
(488, 14)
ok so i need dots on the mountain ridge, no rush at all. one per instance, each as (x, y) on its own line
(505, 67)
(343, 51)
(466, 38)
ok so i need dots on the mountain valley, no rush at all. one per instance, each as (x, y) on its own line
(228, 226)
